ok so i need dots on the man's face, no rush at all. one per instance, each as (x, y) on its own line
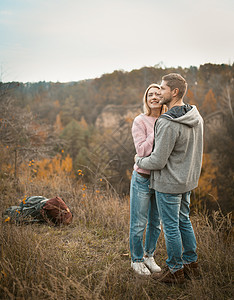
(165, 93)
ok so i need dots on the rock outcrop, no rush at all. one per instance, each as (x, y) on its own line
(114, 116)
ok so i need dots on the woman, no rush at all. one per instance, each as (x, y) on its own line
(143, 206)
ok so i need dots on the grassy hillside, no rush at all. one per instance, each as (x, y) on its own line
(89, 259)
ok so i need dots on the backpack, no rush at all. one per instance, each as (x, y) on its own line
(56, 211)
(39, 209)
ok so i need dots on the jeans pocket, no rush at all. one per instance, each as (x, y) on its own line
(142, 180)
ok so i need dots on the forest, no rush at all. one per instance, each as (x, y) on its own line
(47, 128)
(73, 140)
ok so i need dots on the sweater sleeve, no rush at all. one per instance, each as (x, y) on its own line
(143, 143)
(166, 136)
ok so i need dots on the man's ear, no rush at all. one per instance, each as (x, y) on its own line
(175, 92)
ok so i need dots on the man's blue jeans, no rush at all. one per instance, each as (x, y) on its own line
(178, 231)
(143, 208)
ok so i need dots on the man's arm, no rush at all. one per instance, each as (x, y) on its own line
(165, 138)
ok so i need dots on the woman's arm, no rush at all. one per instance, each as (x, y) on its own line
(142, 142)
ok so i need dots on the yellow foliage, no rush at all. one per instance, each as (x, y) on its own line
(58, 123)
(209, 104)
(129, 174)
(67, 164)
(191, 98)
(47, 168)
(207, 182)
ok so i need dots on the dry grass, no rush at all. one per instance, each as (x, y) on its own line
(90, 258)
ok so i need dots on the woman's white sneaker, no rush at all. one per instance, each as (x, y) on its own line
(140, 268)
(151, 264)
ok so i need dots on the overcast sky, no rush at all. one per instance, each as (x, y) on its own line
(71, 40)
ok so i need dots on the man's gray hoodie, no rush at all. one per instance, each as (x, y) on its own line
(177, 155)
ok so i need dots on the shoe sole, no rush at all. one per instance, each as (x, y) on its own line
(141, 275)
(158, 271)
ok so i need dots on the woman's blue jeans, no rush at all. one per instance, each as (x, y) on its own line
(178, 231)
(143, 209)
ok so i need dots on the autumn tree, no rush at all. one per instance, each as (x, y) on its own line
(21, 134)
(222, 145)
(206, 194)
(75, 137)
(191, 99)
(70, 110)
(209, 104)
(58, 127)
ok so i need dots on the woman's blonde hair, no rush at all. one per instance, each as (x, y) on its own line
(146, 108)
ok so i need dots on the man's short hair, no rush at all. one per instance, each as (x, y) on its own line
(175, 80)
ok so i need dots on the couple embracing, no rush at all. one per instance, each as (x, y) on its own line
(168, 139)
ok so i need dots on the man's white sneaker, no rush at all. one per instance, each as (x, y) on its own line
(140, 268)
(151, 264)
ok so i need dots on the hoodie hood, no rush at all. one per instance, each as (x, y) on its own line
(186, 114)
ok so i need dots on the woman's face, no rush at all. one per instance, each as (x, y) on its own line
(153, 98)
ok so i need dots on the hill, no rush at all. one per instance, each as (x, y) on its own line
(91, 121)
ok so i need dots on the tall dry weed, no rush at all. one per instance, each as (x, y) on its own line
(89, 259)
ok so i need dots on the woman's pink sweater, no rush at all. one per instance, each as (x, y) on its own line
(143, 137)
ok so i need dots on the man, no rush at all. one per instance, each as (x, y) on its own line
(176, 165)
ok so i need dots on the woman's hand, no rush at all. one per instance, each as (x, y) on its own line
(135, 157)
